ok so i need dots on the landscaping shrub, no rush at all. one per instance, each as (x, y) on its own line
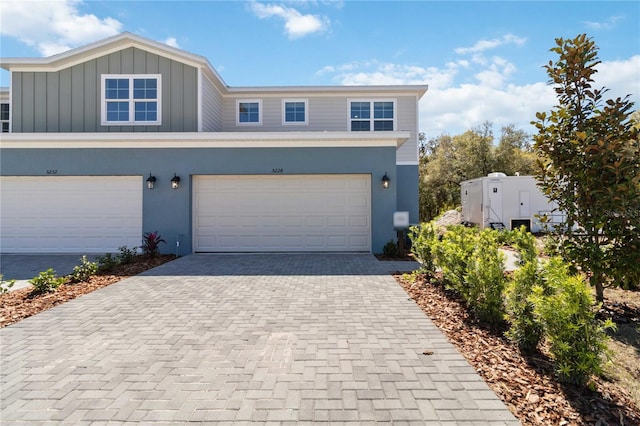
(151, 243)
(85, 270)
(390, 249)
(484, 279)
(452, 255)
(5, 286)
(127, 255)
(565, 307)
(107, 262)
(423, 241)
(46, 282)
(524, 328)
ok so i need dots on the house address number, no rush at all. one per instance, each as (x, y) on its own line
(277, 170)
(52, 172)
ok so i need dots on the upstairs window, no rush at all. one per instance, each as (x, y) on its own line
(248, 112)
(366, 116)
(131, 99)
(294, 111)
(4, 117)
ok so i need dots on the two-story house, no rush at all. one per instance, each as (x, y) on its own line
(127, 135)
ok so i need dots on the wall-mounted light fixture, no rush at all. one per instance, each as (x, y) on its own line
(386, 181)
(151, 181)
(175, 181)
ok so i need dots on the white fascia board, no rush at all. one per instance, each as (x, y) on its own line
(385, 91)
(204, 140)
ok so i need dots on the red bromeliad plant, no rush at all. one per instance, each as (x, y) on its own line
(151, 242)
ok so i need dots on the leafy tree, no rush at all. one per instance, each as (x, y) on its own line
(589, 164)
(446, 161)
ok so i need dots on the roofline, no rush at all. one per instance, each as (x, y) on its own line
(202, 139)
(126, 39)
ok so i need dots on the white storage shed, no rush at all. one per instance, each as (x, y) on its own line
(502, 201)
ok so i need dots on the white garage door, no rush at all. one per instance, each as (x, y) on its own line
(70, 214)
(282, 213)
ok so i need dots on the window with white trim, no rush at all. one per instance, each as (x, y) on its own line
(372, 115)
(4, 117)
(294, 111)
(131, 99)
(248, 111)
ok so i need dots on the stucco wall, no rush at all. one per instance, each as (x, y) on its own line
(170, 211)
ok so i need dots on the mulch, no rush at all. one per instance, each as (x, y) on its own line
(526, 384)
(19, 304)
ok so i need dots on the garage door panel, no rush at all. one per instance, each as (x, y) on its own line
(282, 213)
(70, 214)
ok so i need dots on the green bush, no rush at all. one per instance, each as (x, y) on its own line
(85, 270)
(107, 262)
(565, 307)
(423, 241)
(390, 249)
(127, 255)
(484, 279)
(452, 255)
(525, 243)
(524, 328)
(46, 282)
(5, 286)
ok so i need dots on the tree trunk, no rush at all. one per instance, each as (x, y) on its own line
(596, 280)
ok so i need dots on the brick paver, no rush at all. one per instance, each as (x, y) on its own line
(278, 338)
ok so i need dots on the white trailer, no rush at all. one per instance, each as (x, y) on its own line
(500, 201)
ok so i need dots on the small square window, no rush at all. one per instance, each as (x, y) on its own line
(249, 112)
(294, 111)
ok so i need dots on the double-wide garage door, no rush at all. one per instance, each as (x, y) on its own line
(70, 214)
(282, 213)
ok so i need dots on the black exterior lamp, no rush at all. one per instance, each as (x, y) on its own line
(151, 181)
(386, 181)
(175, 181)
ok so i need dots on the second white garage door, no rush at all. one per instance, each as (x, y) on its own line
(282, 213)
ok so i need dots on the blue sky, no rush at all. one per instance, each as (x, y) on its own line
(482, 60)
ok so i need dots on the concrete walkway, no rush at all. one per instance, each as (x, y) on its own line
(286, 339)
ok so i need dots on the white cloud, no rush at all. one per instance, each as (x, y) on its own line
(483, 45)
(53, 26)
(463, 95)
(296, 24)
(610, 23)
(171, 41)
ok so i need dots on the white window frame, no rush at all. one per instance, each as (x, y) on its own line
(295, 123)
(132, 121)
(8, 120)
(371, 118)
(249, 101)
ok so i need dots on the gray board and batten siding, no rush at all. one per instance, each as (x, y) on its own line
(69, 100)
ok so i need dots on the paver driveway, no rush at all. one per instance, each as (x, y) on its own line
(242, 338)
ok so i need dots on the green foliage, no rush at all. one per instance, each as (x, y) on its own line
(151, 243)
(126, 255)
(423, 241)
(85, 270)
(46, 282)
(524, 328)
(589, 165)
(107, 262)
(6, 286)
(390, 249)
(485, 280)
(448, 160)
(565, 308)
(452, 255)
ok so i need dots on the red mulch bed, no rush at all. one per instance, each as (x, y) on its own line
(19, 304)
(526, 384)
